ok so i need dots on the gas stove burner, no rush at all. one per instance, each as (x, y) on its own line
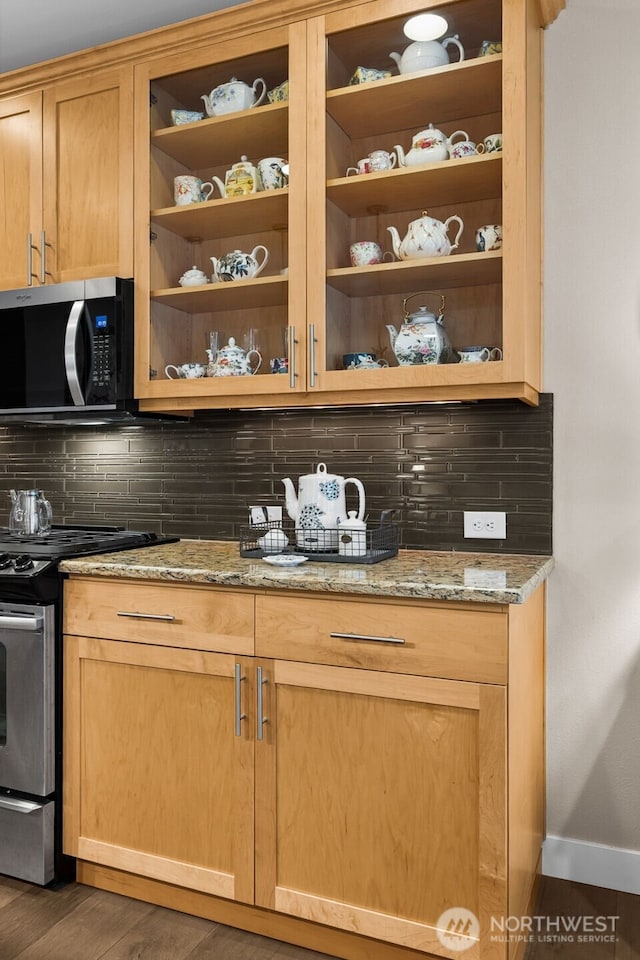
(64, 541)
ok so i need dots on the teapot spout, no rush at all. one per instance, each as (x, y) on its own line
(206, 98)
(220, 185)
(395, 240)
(214, 263)
(402, 160)
(396, 57)
(393, 334)
(291, 500)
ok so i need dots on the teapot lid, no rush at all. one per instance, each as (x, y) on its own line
(194, 272)
(231, 347)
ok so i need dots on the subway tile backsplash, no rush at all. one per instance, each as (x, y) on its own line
(196, 479)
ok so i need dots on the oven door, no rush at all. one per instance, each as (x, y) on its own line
(27, 723)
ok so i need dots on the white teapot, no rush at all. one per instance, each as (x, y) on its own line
(232, 96)
(426, 237)
(238, 265)
(320, 507)
(428, 146)
(233, 361)
(426, 54)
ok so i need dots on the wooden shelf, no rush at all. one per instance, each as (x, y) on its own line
(472, 178)
(228, 217)
(227, 138)
(464, 270)
(459, 90)
(235, 295)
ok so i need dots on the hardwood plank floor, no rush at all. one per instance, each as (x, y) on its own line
(79, 923)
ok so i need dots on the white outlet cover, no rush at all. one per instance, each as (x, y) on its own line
(485, 524)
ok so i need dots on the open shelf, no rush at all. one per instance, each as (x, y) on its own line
(464, 270)
(226, 138)
(459, 90)
(227, 217)
(235, 295)
(450, 181)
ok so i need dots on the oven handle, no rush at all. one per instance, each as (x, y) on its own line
(20, 623)
(19, 806)
(70, 365)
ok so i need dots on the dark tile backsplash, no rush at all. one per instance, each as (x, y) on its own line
(196, 479)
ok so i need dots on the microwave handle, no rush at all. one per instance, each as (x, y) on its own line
(70, 365)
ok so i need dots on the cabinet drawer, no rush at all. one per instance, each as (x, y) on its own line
(403, 638)
(168, 614)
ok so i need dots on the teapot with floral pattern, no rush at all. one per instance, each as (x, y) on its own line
(320, 507)
(422, 337)
(238, 265)
(232, 96)
(426, 237)
(233, 361)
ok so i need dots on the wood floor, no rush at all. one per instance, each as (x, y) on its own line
(80, 923)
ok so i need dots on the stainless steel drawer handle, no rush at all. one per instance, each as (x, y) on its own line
(20, 623)
(366, 637)
(146, 616)
(261, 719)
(19, 806)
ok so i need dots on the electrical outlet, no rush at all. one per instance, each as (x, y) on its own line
(485, 524)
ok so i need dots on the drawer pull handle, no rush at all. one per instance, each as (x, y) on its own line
(240, 716)
(146, 616)
(366, 638)
(261, 719)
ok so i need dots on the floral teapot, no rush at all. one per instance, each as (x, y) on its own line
(239, 181)
(238, 265)
(233, 361)
(426, 237)
(428, 146)
(232, 96)
(320, 507)
(422, 337)
(426, 54)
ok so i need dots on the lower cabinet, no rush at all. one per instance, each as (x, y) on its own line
(359, 797)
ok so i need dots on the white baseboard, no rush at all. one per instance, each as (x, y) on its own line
(593, 863)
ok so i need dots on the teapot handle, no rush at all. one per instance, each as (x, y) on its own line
(405, 301)
(358, 484)
(264, 91)
(454, 39)
(264, 262)
(258, 364)
(465, 136)
(459, 233)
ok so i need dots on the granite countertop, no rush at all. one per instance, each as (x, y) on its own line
(421, 574)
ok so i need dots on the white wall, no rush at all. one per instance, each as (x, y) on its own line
(592, 366)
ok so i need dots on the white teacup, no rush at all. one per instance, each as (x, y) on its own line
(465, 148)
(273, 173)
(186, 371)
(188, 189)
(492, 143)
(489, 237)
(474, 354)
(362, 166)
(364, 253)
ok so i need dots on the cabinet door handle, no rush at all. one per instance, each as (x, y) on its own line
(44, 273)
(292, 356)
(261, 719)
(366, 638)
(312, 354)
(168, 617)
(240, 716)
(30, 249)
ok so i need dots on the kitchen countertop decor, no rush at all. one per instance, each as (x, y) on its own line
(420, 574)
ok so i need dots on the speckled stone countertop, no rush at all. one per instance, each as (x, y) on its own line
(426, 575)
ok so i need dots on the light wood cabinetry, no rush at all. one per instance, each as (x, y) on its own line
(329, 307)
(358, 767)
(66, 153)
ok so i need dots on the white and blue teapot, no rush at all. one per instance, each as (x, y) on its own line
(320, 507)
(233, 96)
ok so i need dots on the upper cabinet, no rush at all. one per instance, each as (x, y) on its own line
(355, 132)
(66, 154)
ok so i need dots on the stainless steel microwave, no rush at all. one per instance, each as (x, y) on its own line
(67, 352)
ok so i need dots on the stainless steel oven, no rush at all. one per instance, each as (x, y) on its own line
(27, 740)
(31, 787)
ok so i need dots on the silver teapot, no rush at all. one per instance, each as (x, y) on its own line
(30, 513)
(422, 337)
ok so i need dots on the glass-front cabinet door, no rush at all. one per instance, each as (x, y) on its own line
(423, 275)
(221, 175)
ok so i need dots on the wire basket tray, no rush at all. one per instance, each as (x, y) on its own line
(329, 545)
